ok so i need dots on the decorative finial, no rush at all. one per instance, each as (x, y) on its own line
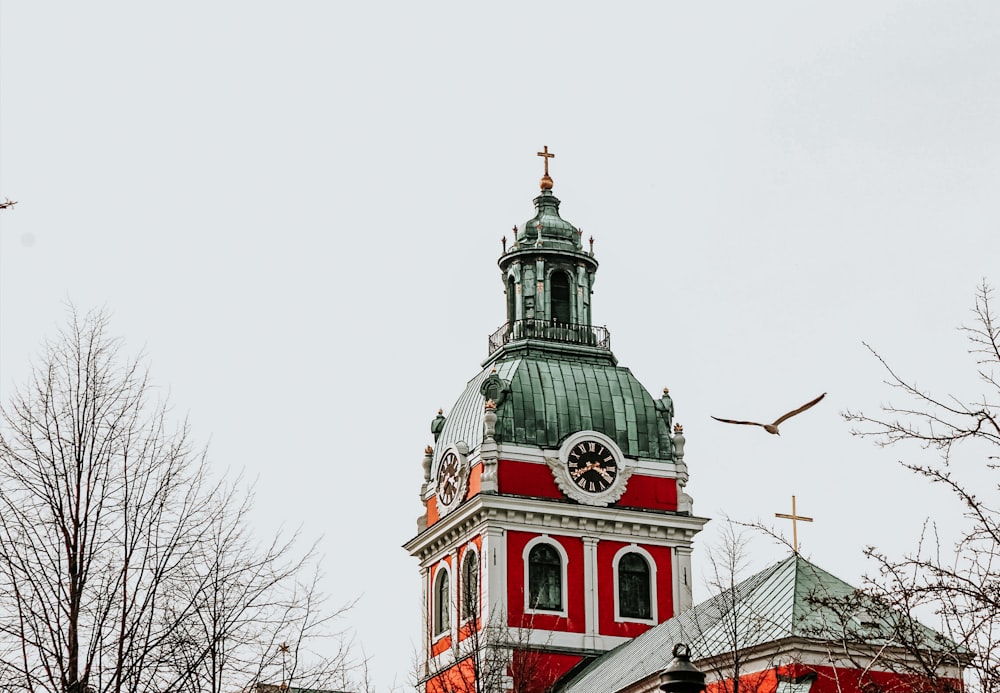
(490, 405)
(591, 245)
(678, 428)
(546, 183)
(666, 390)
(428, 450)
(503, 242)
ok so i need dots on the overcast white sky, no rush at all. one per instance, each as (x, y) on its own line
(296, 208)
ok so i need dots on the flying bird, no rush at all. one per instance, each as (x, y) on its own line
(773, 427)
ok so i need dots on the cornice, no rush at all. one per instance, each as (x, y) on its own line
(550, 517)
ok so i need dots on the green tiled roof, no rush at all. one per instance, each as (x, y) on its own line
(552, 395)
(789, 599)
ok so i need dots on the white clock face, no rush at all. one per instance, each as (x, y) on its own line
(449, 480)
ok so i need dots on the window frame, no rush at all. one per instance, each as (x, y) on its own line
(563, 570)
(471, 553)
(443, 569)
(651, 564)
(552, 301)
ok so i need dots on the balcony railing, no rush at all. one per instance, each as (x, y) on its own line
(547, 330)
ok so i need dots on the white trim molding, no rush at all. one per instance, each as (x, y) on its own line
(435, 573)
(470, 548)
(651, 563)
(564, 586)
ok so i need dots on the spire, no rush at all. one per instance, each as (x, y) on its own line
(548, 277)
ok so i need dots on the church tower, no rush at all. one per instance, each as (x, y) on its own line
(556, 524)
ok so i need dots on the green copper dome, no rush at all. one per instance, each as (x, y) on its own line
(555, 232)
(550, 370)
(546, 396)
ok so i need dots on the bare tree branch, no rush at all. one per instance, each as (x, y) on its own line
(125, 564)
(955, 579)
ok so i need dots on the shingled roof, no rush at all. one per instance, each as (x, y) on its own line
(790, 599)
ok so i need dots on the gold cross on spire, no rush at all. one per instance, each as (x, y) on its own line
(545, 153)
(795, 519)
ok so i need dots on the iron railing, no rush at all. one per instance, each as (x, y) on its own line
(550, 331)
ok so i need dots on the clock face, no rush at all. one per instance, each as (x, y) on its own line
(449, 478)
(592, 466)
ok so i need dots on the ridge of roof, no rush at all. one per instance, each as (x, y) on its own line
(790, 598)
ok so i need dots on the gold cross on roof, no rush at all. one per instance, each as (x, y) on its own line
(545, 153)
(795, 519)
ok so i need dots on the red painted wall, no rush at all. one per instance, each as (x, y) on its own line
(606, 551)
(574, 621)
(839, 680)
(650, 492)
(535, 672)
(526, 479)
(533, 479)
(459, 678)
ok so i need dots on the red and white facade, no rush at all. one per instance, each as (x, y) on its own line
(510, 502)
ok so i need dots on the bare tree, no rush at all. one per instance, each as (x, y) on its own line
(124, 564)
(490, 655)
(729, 623)
(953, 577)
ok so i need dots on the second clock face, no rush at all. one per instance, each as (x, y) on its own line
(449, 478)
(592, 466)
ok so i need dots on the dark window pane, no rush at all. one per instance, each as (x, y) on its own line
(441, 603)
(470, 585)
(511, 300)
(560, 297)
(633, 587)
(544, 578)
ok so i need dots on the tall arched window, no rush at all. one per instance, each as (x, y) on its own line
(545, 578)
(559, 298)
(634, 596)
(442, 602)
(470, 585)
(511, 300)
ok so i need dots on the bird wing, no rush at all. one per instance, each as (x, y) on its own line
(747, 423)
(799, 410)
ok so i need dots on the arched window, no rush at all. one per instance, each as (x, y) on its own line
(511, 300)
(470, 585)
(559, 297)
(442, 602)
(544, 578)
(634, 596)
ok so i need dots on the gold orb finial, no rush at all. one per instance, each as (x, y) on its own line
(490, 404)
(428, 450)
(546, 183)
